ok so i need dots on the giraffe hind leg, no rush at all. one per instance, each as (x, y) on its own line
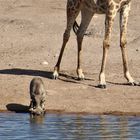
(71, 16)
(86, 16)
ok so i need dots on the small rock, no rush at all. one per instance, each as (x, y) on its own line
(137, 50)
(56, 55)
(10, 64)
(45, 63)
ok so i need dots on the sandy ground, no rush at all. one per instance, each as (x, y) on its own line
(30, 40)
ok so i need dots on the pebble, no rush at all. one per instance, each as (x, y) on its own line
(45, 63)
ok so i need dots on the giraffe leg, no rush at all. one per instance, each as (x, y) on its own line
(86, 16)
(57, 66)
(124, 13)
(106, 44)
(71, 16)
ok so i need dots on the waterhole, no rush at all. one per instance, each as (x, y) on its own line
(22, 126)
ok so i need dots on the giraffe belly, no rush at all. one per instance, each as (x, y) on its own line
(96, 6)
(101, 6)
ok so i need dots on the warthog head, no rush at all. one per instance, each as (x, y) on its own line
(37, 94)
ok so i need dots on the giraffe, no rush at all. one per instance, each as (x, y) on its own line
(88, 8)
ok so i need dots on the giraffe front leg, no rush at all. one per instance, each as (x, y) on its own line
(102, 80)
(79, 70)
(57, 66)
(106, 44)
(127, 74)
(72, 13)
(86, 15)
(124, 13)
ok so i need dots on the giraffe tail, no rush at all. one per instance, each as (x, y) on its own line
(75, 27)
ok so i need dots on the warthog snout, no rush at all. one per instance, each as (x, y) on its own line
(37, 111)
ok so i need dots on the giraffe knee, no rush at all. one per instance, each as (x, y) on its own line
(123, 43)
(66, 36)
(106, 44)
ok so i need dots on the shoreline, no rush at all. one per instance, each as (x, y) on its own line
(62, 112)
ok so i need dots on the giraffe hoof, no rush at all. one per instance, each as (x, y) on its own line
(102, 86)
(80, 74)
(55, 75)
(134, 83)
(81, 77)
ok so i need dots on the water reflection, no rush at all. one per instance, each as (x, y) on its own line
(114, 127)
(37, 119)
(69, 127)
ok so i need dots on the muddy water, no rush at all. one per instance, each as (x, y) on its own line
(22, 126)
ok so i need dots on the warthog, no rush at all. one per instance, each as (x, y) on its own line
(37, 94)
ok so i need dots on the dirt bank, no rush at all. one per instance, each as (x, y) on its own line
(31, 37)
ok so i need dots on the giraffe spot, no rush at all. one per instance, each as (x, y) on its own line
(117, 1)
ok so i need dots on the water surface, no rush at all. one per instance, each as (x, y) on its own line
(22, 126)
